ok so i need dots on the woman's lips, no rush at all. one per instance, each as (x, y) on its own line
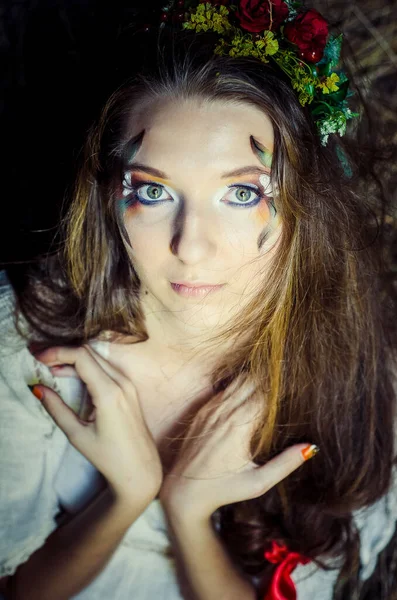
(189, 291)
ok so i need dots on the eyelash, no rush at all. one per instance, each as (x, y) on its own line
(129, 200)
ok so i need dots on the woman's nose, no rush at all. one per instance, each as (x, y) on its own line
(194, 238)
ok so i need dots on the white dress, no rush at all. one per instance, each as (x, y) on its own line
(41, 473)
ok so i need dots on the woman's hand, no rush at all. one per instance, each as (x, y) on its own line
(214, 467)
(115, 439)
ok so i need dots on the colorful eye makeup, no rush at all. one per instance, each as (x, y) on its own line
(138, 193)
(147, 193)
(154, 193)
(243, 196)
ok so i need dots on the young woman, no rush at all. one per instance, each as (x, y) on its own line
(218, 308)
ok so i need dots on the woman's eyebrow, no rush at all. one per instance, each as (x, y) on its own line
(147, 169)
(234, 173)
(245, 170)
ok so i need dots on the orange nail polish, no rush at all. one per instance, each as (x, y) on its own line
(37, 392)
(310, 451)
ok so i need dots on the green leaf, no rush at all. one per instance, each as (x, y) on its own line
(293, 9)
(344, 160)
(293, 4)
(332, 50)
(336, 97)
(322, 109)
(324, 70)
(309, 88)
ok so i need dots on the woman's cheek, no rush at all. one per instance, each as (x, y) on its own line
(262, 212)
(145, 217)
(131, 211)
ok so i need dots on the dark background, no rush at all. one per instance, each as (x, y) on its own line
(60, 60)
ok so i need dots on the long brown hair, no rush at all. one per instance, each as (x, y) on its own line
(321, 334)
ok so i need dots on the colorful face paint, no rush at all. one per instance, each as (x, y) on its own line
(132, 148)
(267, 211)
(137, 196)
(157, 192)
(266, 184)
(266, 158)
(129, 154)
(264, 155)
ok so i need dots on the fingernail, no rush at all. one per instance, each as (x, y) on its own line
(36, 391)
(310, 451)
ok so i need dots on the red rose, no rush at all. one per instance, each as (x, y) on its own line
(259, 15)
(309, 32)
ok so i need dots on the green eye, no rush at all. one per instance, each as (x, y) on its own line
(154, 192)
(243, 194)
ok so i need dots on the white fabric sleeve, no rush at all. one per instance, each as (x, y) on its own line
(32, 447)
(27, 508)
(28, 455)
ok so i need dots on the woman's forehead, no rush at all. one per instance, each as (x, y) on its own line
(199, 134)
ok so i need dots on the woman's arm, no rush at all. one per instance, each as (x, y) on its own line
(203, 563)
(75, 553)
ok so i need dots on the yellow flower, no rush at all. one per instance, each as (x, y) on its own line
(329, 85)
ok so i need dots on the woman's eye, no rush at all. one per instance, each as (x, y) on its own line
(148, 193)
(243, 196)
(152, 192)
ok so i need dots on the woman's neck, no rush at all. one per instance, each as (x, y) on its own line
(181, 342)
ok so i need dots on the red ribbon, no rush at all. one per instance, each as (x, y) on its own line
(282, 587)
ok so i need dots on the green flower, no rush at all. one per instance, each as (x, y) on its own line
(305, 85)
(245, 45)
(209, 18)
(301, 75)
(267, 43)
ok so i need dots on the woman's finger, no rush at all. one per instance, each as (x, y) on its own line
(282, 465)
(100, 384)
(52, 358)
(64, 371)
(112, 371)
(60, 412)
(118, 442)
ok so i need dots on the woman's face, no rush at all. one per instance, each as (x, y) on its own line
(198, 208)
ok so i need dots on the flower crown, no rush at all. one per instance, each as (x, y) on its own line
(285, 32)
